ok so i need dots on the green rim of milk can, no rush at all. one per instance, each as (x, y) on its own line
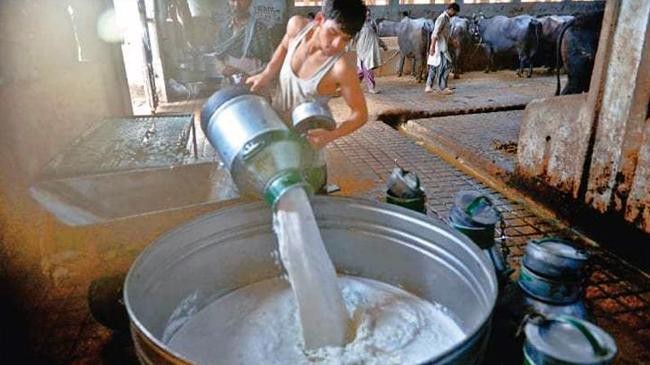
(474, 215)
(282, 183)
(417, 204)
(566, 340)
(549, 290)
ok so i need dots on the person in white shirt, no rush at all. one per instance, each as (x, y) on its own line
(439, 58)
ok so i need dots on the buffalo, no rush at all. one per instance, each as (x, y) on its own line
(460, 41)
(413, 38)
(387, 28)
(551, 28)
(501, 34)
(576, 48)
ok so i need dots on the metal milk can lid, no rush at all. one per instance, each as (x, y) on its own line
(312, 115)
(560, 248)
(404, 184)
(567, 340)
(476, 208)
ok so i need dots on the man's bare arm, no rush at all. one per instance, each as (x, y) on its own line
(345, 74)
(272, 69)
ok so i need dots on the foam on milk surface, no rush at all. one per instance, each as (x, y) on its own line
(259, 324)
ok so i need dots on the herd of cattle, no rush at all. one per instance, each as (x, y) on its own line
(554, 41)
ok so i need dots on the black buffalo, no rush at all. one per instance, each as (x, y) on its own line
(576, 49)
(460, 42)
(387, 28)
(413, 38)
(501, 34)
(551, 28)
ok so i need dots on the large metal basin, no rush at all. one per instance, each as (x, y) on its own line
(189, 267)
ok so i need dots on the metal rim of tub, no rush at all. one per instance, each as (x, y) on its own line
(477, 333)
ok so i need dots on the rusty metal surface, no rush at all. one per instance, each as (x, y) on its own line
(553, 141)
(620, 130)
(637, 210)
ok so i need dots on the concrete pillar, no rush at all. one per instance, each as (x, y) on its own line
(621, 125)
(598, 151)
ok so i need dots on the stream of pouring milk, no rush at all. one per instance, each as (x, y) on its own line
(322, 313)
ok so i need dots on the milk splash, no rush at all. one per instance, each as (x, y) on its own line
(321, 309)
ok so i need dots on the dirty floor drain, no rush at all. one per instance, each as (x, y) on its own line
(397, 117)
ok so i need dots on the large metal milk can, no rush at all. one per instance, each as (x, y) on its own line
(263, 156)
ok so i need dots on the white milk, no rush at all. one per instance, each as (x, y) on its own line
(259, 324)
(322, 313)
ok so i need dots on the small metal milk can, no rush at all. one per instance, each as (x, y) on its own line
(474, 215)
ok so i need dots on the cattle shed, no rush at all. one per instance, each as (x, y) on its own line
(102, 153)
(394, 8)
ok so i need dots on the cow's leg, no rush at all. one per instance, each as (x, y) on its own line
(400, 66)
(413, 69)
(522, 61)
(456, 65)
(530, 67)
(421, 70)
(490, 59)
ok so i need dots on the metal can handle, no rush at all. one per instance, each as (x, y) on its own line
(598, 349)
(476, 203)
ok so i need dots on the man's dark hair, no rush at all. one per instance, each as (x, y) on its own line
(311, 15)
(349, 14)
(454, 6)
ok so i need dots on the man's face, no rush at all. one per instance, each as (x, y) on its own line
(331, 38)
(239, 6)
(451, 12)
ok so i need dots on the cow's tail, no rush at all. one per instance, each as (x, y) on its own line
(558, 50)
(534, 29)
(426, 34)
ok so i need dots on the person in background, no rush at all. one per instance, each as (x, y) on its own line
(244, 44)
(312, 63)
(439, 58)
(368, 53)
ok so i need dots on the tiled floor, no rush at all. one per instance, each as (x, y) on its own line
(61, 331)
(490, 136)
(616, 294)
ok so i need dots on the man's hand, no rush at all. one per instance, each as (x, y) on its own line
(432, 48)
(319, 138)
(259, 81)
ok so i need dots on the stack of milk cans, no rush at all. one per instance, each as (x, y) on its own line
(549, 290)
(551, 277)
